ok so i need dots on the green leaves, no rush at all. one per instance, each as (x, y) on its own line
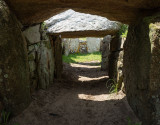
(5, 117)
(113, 87)
(123, 31)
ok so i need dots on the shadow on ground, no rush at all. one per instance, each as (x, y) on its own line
(75, 102)
(76, 71)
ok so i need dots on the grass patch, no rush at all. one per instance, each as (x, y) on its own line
(81, 58)
(83, 39)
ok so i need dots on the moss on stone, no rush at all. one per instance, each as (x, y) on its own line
(47, 44)
(6, 76)
(151, 18)
(31, 57)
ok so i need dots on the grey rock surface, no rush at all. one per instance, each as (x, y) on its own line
(105, 49)
(72, 21)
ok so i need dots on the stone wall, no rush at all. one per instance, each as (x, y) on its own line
(75, 45)
(105, 50)
(26, 62)
(120, 64)
(118, 61)
(70, 45)
(14, 73)
(93, 44)
(115, 48)
(142, 69)
(41, 59)
(56, 45)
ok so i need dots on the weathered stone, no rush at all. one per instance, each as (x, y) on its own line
(43, 32)
(66, 48)
(45, 64)
(34, 85)
(120, 66)
(1, 80)
(33, 34)
(71, 24)
(105, 49)
(0, 71)
(31, 56)
(142, 69)
(13, 63)
(73, 45)
(113, 57)
(30, 12)
(77, 45)
(56, 43)
(6, 76)
(40, 56)
(93, 44)
(32, 66)
(83, 47)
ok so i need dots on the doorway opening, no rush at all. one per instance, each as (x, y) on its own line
(82, 59)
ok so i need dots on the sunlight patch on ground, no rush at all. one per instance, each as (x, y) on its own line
(84, 66)
(83, 78)
(102, 97)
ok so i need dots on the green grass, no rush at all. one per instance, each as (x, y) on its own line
(79, 58)
(113, 87)
(83, 39)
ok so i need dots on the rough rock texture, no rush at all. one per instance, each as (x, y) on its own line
(113, 57)
(142, 69)
(105, 49)
(56, 45)
(120, 66)
(65, 46)
(32, 34)
(93, 44)
(126, 11)
(76, 45)
(71, 45)
(32, 60)
(14, 73)
(41, 59)
(83, 47)
(46, 65)
(71, 23)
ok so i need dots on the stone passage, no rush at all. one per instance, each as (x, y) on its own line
(142, 69)
(75, 100)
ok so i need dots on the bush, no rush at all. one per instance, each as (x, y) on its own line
(123, 31)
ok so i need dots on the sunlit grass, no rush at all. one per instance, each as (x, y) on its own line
(83, 39)
(81, 58)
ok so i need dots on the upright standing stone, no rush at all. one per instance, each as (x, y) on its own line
(115, 46)
(105, 49)
(14, 71)
(56, 43)
(45, 65)
(142, 69)
(65, 43)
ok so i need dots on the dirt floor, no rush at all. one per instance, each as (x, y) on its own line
(81, 98)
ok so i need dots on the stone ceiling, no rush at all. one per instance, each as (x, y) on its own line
(125, 11)
(75, 24)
